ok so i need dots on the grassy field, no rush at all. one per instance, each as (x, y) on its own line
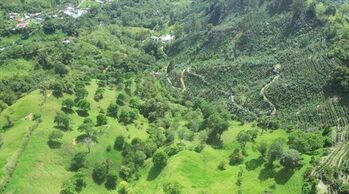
(42, 170)
(199, 173)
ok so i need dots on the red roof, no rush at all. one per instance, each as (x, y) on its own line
(22, 25)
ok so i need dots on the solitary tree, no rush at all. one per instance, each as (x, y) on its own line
(160, 159)
(276, 150)
(62, 120)
(68, 104)
(84, 106)
(78, 161)
(119, 142)
(101, 120)
(236, 157)
(243, 137)
(110, 183)
(57, 88)
(80, 92)
(87, 128)
(262, 148)
(99, 173)
(291, 159)
(121, 99)
(112, 110)
(172, 188)
(55, 139)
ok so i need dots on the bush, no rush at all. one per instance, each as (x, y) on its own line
(119, 143)
(110, 183)
(78, 161)
(291, 159)
(101, 120)
(127, 115)
(172, 188)
(236, 158)
(100, 172)
(160, 159)
(55, 139)
(222, 164)
(112, 110)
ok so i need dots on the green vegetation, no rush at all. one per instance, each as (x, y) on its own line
(163, 96)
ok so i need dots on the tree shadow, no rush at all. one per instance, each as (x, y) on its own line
(54, 144)
(153, 173)
(267, 172)
(61, 128)
(254, 163)
(67, 110)
(283, 176)
(82, 113)
(81, 138)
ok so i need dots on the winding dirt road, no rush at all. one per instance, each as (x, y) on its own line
(265, 96)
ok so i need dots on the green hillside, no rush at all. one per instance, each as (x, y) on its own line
(174, 96)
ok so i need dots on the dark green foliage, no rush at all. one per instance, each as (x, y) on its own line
(57, 88)
(74, 185)
(126, 172)
(195, 119)
(80, 91)
(140, 158)
(1, 141)
(61, 69)
(154, 109)
(62, 121)
(55, 138)
(110, 182)
(236, 157)
(243, 137)
(101, 120)
(160, 159)
(291, 159)
(84, 106)
(121, 99)
(78, 161)
(100, 172)
(98, 94)
(149, 148)
(9, 123)
(119, 143)
(262, 148)
(112, 110)
(306, 142)
(276, 150)
(341, 77)
(267, 123)
(67, 105)
(87, 127)
(172, 188)
(127, 115)
(157, 135)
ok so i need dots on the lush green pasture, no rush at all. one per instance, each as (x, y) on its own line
(199, 173)
(41, 169)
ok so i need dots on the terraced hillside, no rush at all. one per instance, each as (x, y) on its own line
(250, 45)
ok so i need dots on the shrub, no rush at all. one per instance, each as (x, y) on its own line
(78, 161)
(119, 143)
(236, 158)
(100, 172)
(110, 183)
(160, 159)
